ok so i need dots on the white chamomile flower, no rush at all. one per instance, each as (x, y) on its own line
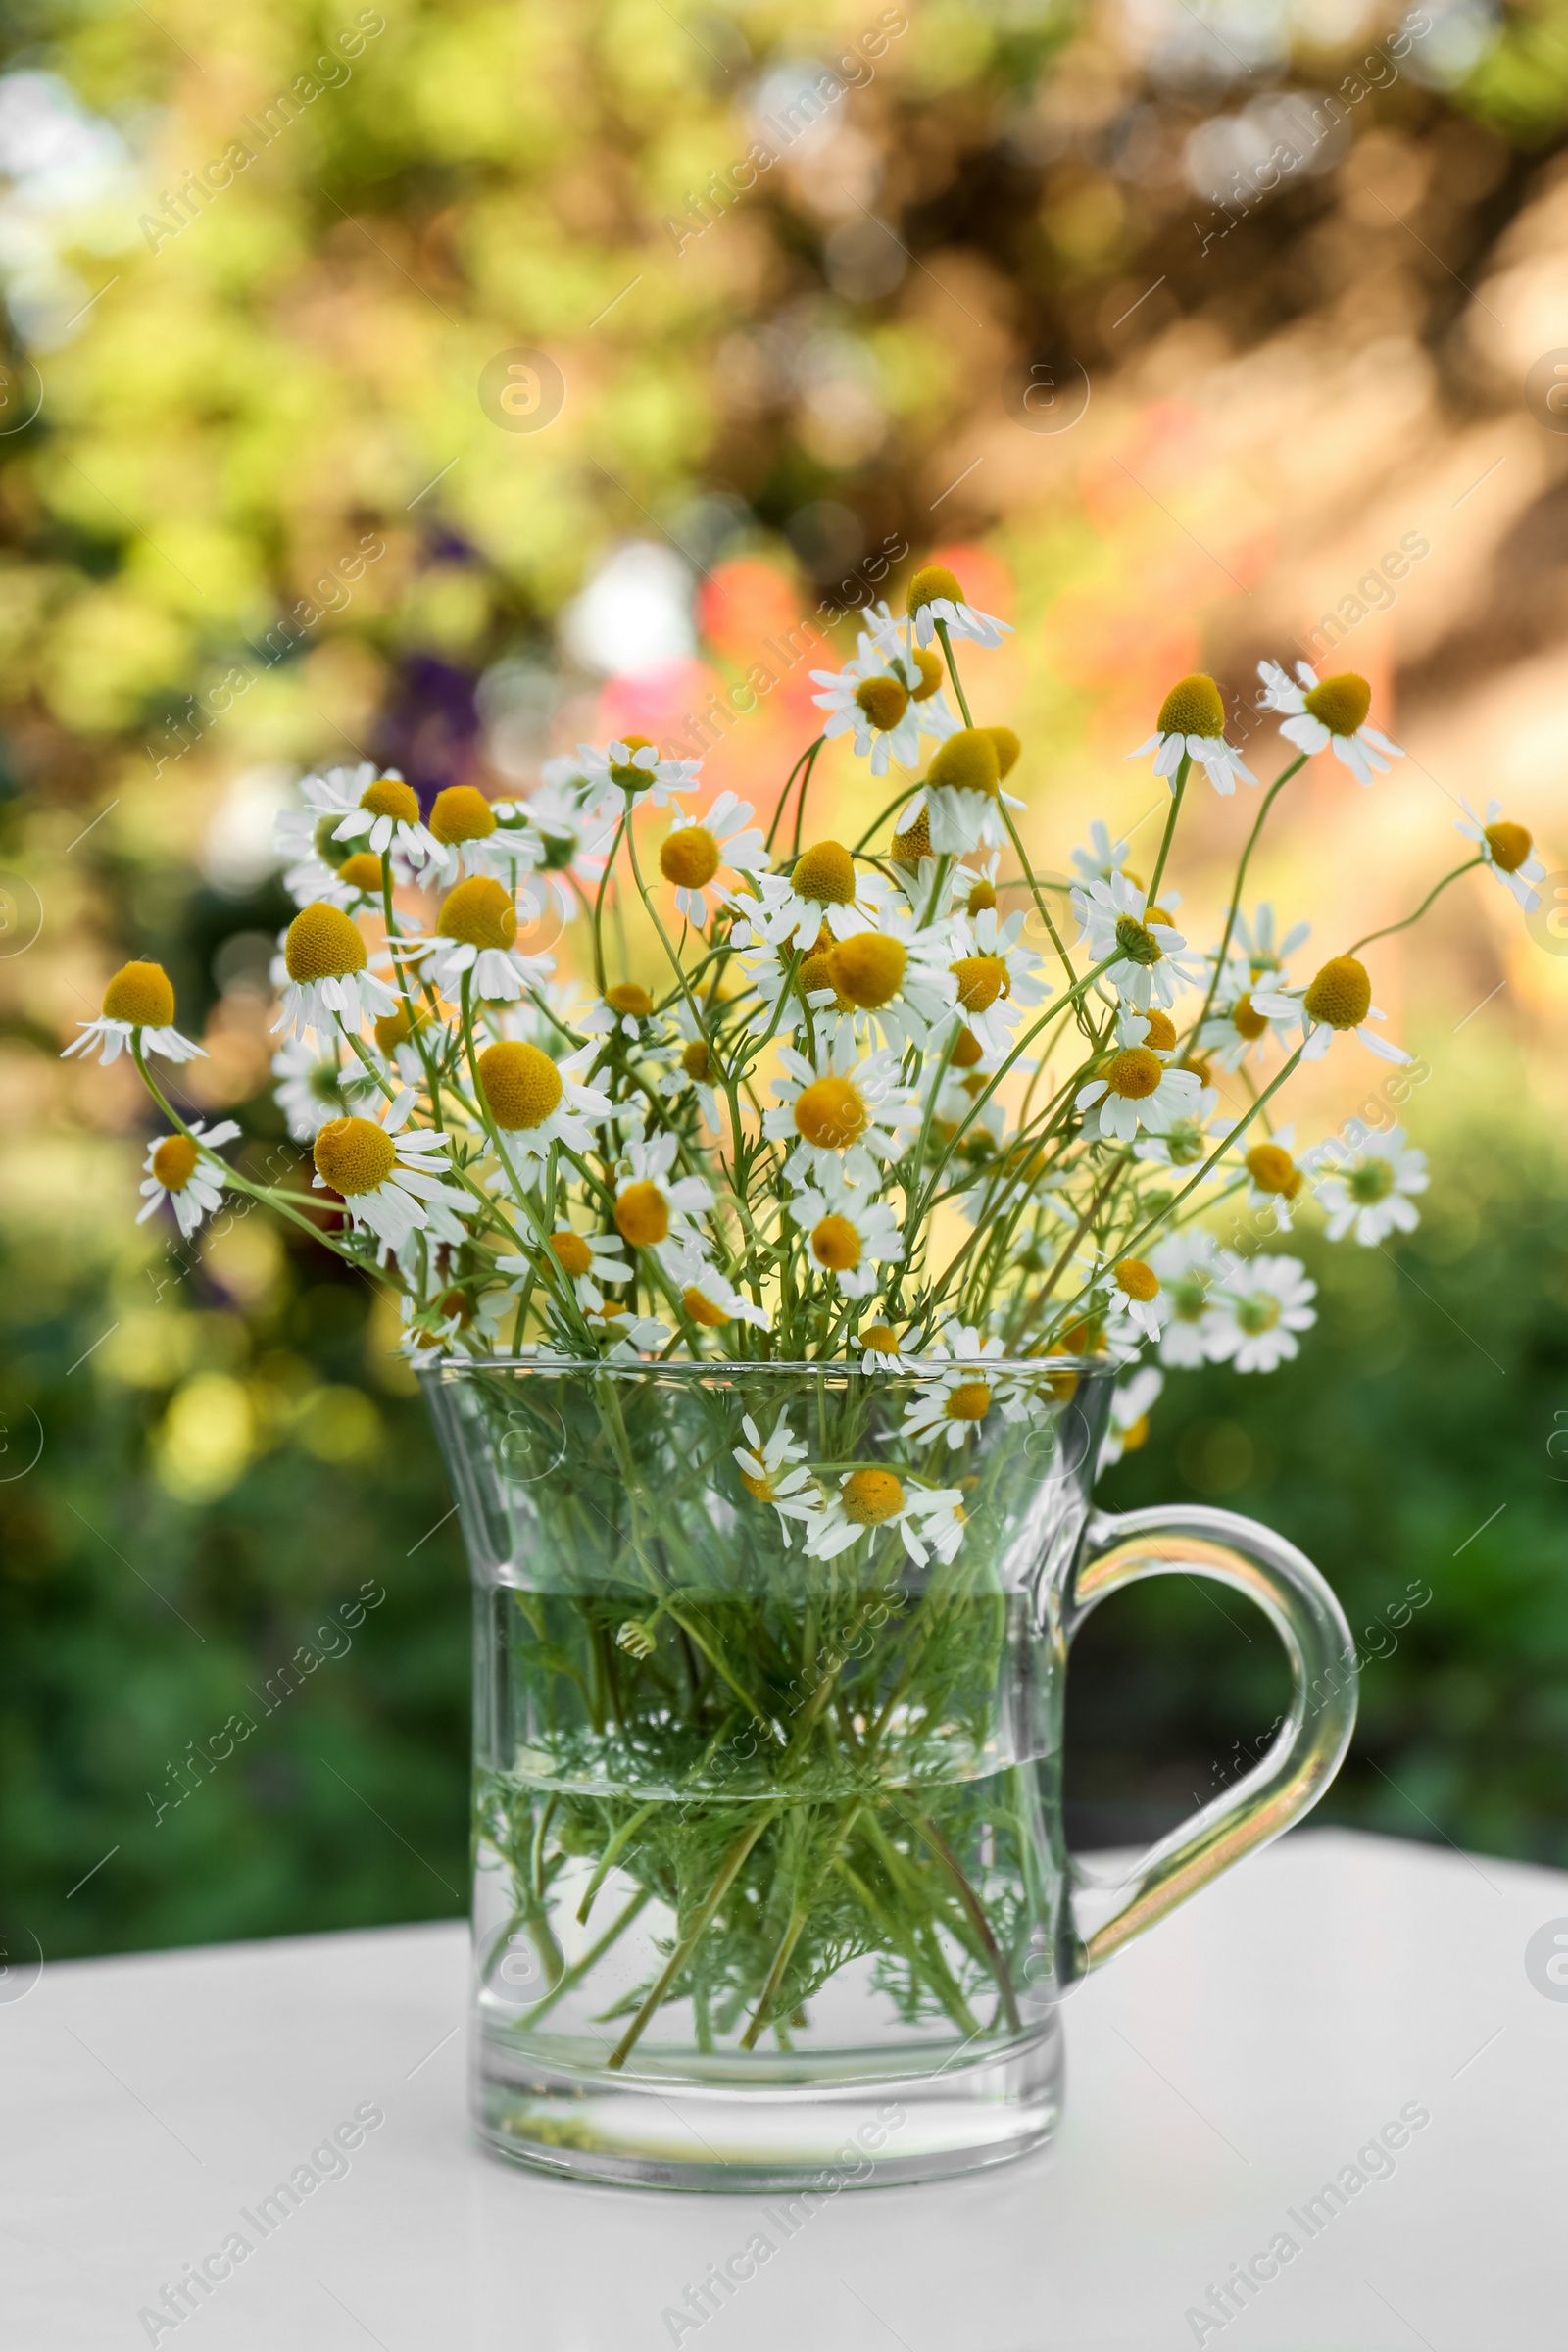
(179, 1172)
(1273, 1177)
(697, 848)
(1337, 999)
(329, 976)
(1131, 1405)
(311, 1088)
(1103, 857)
(893, 983)
(392, 1178)
(886, 697)
(1192, 726)
(437, 1327)
(654, 1208)
(957, 1387)
(848, 1236)
(1146, 964)
(935, 595)
(1368, 1192)
(710, 1298)
(961, 799)
(692, 1072)
(998, 978)
(771, 1473)
(631, 1337)
(1136, 1307)
(825, 890)
(631, 766)
(878, 1347)
(1135, 1089)
(467, 839)
(535, 1101)
(1237, 1025)
(842, 1116)
(1328, 715)
(305, 838)
(471, 948)
(385, 818)
(138, 1009)
(1506, 849)
(1262, 1305)
(1189, 1264)
(1260, 950)
(869, 1499)
(621, 1012)
(590, 1261)
(1188, 1139)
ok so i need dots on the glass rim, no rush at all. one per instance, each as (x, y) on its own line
(923, 1367)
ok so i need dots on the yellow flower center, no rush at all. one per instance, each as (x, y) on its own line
(883, 699)
(967, 762)
(702, 1310)
(871, 1496)
(1136, 1280)
(1134, 1073)
(479, 912)
(322, 943)
(361, 871)
(982, 893)
(970, 1400)
(642, 1215)
(629, 997)
(144, 995)
(1138, 945)
(830, 1115)
(695, 1060)
(1161, 1038)
(1192, 707)
(881, 1338)
(1273, 1170)
(353, 1156)
(836, 1245)
(934, 581)
(392, 1029)
(1340, 994)
(571, 1254)
(911, 846)
(462, 814)
(174, 1162)
(825, 875)
(1244, 1020)
(967, 1052)
(868, 968)
(689, 857)
(390, 797)
(929, 667)
(1510, 846)
(981, 979)
(521, 1084)
(1341, 703)
(1007, 747)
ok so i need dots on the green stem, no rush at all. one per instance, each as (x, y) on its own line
(1389, 929)
(694, 1934)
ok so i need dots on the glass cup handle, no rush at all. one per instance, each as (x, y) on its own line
(1303, 1759)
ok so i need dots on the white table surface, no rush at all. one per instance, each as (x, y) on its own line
(1221, 2071)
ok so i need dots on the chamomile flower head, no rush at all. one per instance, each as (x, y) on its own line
(935, 595)
(1135, 1305)
(393, 1179)
(535, 1101)
(846, 1236)
(998, 978)
(1135, 1089)
(959, 1387)
(694, 1070)
(386, 817)
(329, 979)
(472, 944)
(138, 1008)
(824, 889)
(181, 1171)
(468, 840)
(626, 1009)
(1238, 1027)
(311, 1087)
(1132, 1401)
(1337, 999)
(591, 1263)
(842, 1116)
(771, 1473)
(962, 797)
(696, 851)
(1192, 726)
(1369, 1192)
(1274, 1177)
(1148, 964)
(886, 698)
(874, 1498)
(1103, 859)
(1189, 1139)
(1190, 1264)
(1508, 849)
(631, 768)
(709, 1298)
(1328, 715)
(892, 984)
(654, 1207)
(1260, 1304)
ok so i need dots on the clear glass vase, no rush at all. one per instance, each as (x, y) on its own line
(769, 1881)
